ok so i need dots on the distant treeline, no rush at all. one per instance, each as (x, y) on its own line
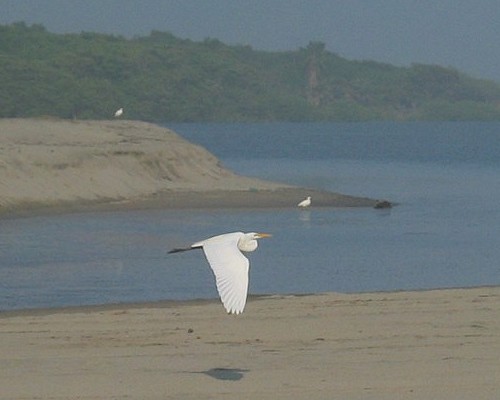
(163, 78)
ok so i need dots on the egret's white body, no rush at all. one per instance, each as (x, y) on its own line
(229, 265)
(305, 203)
(119, 112)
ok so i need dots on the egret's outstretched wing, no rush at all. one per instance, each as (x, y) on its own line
(230, 268)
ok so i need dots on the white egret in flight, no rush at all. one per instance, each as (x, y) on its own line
(119, 112)
(229, 265)
(305, 203)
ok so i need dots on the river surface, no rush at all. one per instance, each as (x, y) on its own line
(445, 178)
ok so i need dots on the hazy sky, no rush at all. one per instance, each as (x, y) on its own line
(464, 34)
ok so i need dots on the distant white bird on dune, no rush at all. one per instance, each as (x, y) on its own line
(119, 113)
(305, 203)
(229, 265)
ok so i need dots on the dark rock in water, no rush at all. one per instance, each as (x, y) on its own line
(382, 204)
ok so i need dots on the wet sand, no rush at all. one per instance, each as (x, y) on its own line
(440, 344)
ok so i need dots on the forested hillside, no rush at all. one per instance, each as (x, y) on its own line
(164, 78)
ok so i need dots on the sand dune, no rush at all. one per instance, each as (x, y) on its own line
(60, 163)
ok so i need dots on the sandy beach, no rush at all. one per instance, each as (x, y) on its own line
(440, 344)
(50, 165)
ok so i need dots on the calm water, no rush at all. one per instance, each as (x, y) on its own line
(445, 177)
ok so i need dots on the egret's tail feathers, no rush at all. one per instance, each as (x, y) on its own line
(181, 250)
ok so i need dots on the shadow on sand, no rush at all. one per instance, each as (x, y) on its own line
(226, 374)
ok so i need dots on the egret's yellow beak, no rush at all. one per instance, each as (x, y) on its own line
(263, 235)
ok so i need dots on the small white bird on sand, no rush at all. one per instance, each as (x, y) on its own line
(119, 113)
(229, 265)
(305, 203)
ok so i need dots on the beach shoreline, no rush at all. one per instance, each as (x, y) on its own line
(439, 343)
(169, 303)
(209, 199)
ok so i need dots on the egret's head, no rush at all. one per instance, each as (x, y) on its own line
(249, 241)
